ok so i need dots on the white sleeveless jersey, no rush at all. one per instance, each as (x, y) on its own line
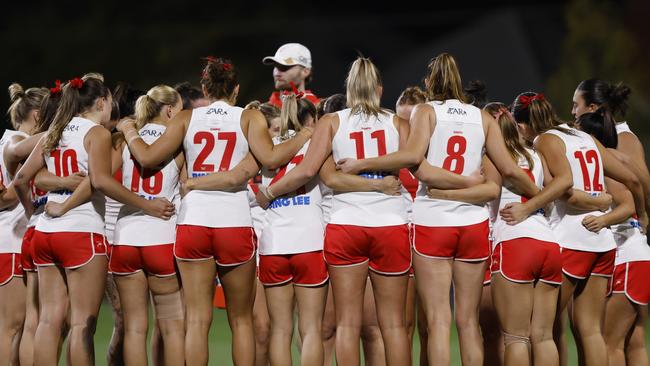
(587, 170)
(326, 203)
(294, 222)
(536, 226)
(160, 182)
(113, 208)
(360, 136)
(258, 214)
(215, 142)
(69, 157)
(631, 244)
(623, 127)
(457, 144)
(13, 221)
(39, 199)
(409, 189)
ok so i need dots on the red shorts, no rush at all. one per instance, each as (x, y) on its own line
(580, 264)
(487, 277)
(528, 260)
(27, 250)
(630, 279)
(385, 248)
(10, 267)
(229, 246)
(464, 243)
(67, 249)
(304, 269)
(157, 260)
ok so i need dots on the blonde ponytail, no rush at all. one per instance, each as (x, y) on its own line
(23, 102)
(362, 84)
(148, 106)
(289, 116)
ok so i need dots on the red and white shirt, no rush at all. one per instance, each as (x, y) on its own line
(293, 222)
(361, 136)
(162, 182)
(69, 157)
(215, 142)
(13, 221)
(457, 144)
(587, 170)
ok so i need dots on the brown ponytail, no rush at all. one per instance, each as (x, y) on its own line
(74, 100)
(443, 81)
(509, 131)
(533, 109)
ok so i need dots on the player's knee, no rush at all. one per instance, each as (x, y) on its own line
(370, 333)
(262, 332)
(539, 335)
(169, 306)
(465, 322)
(510, 339)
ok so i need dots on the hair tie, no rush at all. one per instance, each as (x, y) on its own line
(525, 100)
(294, 91)
(76, 83)
(57, 88)
(502, 111)
(227, 67)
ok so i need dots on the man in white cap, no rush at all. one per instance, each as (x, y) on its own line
(292, 64)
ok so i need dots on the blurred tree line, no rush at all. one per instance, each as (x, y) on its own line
(607, 40)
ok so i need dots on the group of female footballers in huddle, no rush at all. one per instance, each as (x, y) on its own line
(525, 215)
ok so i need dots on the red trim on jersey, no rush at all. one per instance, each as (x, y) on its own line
(409, 182)
(118, 175)
(254, 186)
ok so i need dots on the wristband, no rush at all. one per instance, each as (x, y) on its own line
(268, 193)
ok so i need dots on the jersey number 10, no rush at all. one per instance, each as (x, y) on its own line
(65, 162)
(152, 182)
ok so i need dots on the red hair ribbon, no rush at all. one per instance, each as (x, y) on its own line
(210, 58)
(525, 100)
(226, 67)
(57, 87)
(76, 83)
(294, 90)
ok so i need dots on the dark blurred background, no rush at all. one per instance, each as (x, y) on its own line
(544, 46)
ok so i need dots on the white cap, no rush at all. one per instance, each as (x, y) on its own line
(290, 54)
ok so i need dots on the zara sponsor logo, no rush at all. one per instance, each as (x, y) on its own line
(458, 111)
(219, 111)
(71, 128)
(152, 133)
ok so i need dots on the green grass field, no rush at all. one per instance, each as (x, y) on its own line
(220, 341)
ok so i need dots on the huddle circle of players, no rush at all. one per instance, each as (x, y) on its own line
(353, 216)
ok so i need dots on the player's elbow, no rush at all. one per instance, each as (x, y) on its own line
(413, 159)
(100, 182)
(147, 162)
(329, 179)
(271, 163)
